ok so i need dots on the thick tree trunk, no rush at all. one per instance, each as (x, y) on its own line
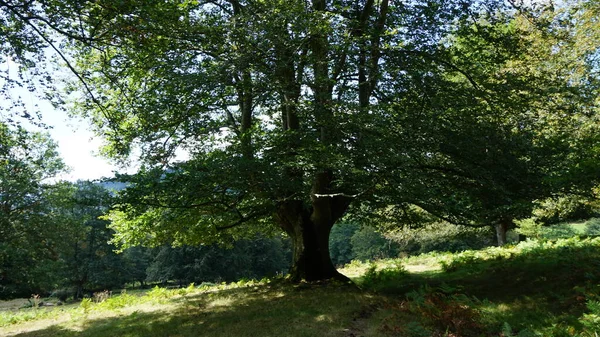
(501, 229)
(311, 261)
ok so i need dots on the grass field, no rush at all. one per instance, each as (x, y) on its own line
(579, 228)
(546, 288)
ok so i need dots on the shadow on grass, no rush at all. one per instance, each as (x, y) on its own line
(258, 311)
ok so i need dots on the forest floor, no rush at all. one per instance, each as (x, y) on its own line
(537, 288)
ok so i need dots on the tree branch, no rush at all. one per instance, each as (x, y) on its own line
(63, 57)
(243, 219)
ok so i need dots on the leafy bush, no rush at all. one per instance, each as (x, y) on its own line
(25, 315)
(567, 208)
(86, 305)
(350, 241)
(529, 227)
(592, 227)
(340, 247)
(534, 260)
(368, 244)
(159, 294)
(374, 279)
(558, 231)
(118, 302)
(470, 258)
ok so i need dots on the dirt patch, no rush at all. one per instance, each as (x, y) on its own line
(13, 304)
(360, 322)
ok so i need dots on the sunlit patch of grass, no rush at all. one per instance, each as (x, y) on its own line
(424, 263)
(72, 317)
(579, 228)
(222, 302)
(219, 310)
(27, 315)
(354, 269)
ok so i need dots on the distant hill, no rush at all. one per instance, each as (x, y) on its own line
(113, 186)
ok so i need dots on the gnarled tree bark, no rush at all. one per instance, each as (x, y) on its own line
(309, 226)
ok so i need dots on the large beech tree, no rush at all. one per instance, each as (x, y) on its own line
(252, 115)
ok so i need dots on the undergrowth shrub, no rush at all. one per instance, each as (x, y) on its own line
(355, 264)
(470, 258)
(507, 331)
(374, 279)
(369, 244)
(564, 209)
(434, 311)
(540, 253)
(118, 302)
(592, 227)
(350, 241)
(187, 290)
(159, 294)
(591, 321)
(563, 230)
(529, 227)
(86, 306)
(446, 310)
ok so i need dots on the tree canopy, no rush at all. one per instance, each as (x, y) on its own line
(256, 116)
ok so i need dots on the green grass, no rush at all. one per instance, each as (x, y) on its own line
(579, 228)
(535, 288)
(244, 309)
(546, 288)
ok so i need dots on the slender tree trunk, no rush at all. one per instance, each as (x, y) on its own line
(501, 229)
(79, 290)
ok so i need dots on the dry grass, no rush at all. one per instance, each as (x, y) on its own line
(13, 304)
